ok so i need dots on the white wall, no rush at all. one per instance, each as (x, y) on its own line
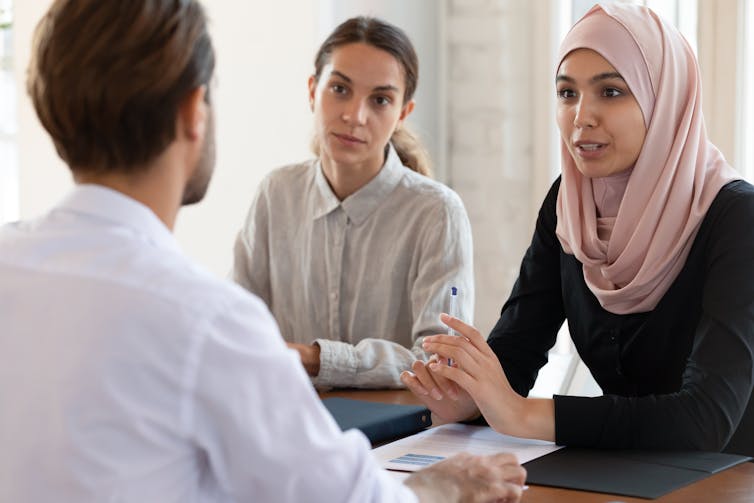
(263, 118)
(500, 108)
(8, 122)
(43, 177)
(264, 58)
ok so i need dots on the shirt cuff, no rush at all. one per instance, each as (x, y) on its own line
(338, 364)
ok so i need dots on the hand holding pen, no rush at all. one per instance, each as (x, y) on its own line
(452, 311)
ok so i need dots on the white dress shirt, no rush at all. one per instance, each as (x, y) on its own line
(366, 277)
(128, 374)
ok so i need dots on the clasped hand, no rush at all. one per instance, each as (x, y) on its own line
(474, 384)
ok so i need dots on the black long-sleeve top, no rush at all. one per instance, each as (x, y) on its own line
(677, 377)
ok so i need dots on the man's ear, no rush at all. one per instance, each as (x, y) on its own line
(193, 114)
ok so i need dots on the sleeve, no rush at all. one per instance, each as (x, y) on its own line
(251, 257)
(531, 317)
(444, 258)
(717, 381)
(263, 429)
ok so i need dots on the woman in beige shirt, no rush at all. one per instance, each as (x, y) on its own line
(355, 252)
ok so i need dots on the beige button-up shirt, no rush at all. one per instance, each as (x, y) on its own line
(366, 277)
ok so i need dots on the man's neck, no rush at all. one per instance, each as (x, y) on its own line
(158, 189)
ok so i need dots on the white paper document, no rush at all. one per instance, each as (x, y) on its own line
(435, 444)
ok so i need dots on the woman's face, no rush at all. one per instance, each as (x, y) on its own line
(357, 104)
(600, 121)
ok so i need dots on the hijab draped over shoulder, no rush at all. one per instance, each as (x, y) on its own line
(632, 256)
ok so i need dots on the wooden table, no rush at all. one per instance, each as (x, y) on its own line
(735, 485)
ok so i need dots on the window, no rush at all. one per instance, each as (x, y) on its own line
(8, 122)
(746, 78)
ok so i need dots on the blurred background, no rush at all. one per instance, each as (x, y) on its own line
(485, 110)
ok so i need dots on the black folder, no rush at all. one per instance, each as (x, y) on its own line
(378, 421)
(642, 474)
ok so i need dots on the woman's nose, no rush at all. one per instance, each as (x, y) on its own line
(355, 112)
(586, 114)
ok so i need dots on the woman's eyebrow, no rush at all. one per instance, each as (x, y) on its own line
(382, 88)
(386, 88)
(341, 75)
(606, 76)
(596, 78)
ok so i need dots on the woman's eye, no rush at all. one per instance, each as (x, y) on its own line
(612, 92)
(338, 89)
(382, 100)
(566, 93)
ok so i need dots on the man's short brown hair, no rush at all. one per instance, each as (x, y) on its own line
(107, 77)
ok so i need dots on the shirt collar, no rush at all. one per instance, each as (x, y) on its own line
(359, 205)
(99, 202)
(325, 199)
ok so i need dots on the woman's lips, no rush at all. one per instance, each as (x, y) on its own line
(348, 139)
(590, 149)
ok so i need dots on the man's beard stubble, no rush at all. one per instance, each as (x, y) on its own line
(197, 185)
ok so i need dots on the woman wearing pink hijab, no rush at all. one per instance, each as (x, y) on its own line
(644, 245)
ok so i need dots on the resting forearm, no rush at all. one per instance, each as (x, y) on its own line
(522, 417)
(372, 363)
(539, 419)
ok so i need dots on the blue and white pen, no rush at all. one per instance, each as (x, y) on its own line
(452, 311)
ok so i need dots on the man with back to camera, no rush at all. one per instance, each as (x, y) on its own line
(127, 373)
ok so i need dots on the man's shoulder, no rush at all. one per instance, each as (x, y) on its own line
(186, 300)
(127, 282)
(189, 286)
(222, 309)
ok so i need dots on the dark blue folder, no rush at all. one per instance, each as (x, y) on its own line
(643, 474)
(378, 421)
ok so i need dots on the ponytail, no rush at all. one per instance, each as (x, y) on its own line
(412, 153)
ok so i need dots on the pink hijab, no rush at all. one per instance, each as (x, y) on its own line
(631, 257)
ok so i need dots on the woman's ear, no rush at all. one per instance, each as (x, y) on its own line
(405, 112)
(312, 91)
(193, 114)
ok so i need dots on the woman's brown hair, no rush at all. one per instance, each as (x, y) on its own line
(107, 77)
(391, 39)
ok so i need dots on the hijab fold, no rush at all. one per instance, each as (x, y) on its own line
(632, 255)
